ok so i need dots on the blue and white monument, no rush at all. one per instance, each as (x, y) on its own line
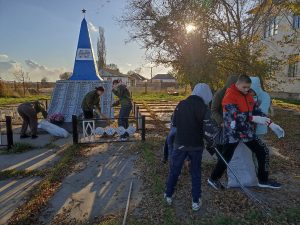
(68, 95)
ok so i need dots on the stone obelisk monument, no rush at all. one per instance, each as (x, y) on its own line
(67, 95)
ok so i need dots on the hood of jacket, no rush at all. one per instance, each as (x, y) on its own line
(230, 80)
(203, 91)
(256, 86)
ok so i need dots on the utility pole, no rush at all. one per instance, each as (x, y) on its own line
(151, 72)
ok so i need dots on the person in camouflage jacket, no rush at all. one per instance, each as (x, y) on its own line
(240, 115)
(91, 101)
(121, 91)
(29, 111)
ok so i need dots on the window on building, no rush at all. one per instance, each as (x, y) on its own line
(293, 65)
(296, 21)
(271, 27)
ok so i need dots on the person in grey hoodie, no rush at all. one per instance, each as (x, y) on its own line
(192, 121)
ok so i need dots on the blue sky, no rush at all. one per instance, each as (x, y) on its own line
(41, 36)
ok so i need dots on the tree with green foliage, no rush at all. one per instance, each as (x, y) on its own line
(225, 38)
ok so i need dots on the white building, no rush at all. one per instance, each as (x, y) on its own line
(164, 78)
(281, 38)
(111, 75)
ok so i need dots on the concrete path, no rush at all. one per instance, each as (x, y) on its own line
(98, 187)
(37, 158)
(31, 160)
(12, 194)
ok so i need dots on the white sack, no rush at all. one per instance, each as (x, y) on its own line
(53, 129)
(243, 166)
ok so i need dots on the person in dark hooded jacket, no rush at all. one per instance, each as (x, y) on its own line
(193, 124)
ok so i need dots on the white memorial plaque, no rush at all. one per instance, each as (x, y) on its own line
(67, 97)
(84, 54)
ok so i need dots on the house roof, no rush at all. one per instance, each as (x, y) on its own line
(163, 77)
(111, 73)
(137, 76)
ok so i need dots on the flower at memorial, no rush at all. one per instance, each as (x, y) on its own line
(56, 117)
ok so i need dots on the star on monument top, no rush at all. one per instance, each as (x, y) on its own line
(83, 11)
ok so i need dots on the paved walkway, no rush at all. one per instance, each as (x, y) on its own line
(98, 187)
(14, 191)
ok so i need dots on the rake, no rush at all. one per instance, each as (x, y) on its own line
(266, 210)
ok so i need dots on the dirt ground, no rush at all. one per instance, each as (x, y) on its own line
(95, 189)
(230, 206)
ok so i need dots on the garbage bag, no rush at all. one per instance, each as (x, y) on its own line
(243, 166)
(53, 129)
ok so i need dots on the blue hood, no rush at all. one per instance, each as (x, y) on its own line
(263, 100)
(256, 85)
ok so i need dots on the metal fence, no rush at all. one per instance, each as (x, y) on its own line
(106, 130)
(6, 132)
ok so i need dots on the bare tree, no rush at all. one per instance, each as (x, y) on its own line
(101, 50)
(137, 70)
(21, 76)
(112, 66)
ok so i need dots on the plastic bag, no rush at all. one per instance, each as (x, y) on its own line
(53, 129)
(243, 165)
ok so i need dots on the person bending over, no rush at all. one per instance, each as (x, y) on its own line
(29, 111)
(91, 101)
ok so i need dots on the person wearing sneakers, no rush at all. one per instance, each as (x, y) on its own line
(241, 114)
(121, 91)
(28, 111)
(193, 123)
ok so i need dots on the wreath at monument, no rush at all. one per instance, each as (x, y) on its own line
(56, 118)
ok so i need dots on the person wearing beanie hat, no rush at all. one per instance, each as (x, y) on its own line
(91, 101)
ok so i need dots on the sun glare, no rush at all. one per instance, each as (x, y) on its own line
(190, 28)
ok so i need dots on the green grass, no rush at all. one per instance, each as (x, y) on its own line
(288, 104)
(224, 220)
(10, 100)
(157, 97)
(50, 146)
(289, 216)
(19, 148)
(62, 167)
(6, 174)
(288, 101)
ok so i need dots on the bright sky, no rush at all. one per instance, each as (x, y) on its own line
(41, 36)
